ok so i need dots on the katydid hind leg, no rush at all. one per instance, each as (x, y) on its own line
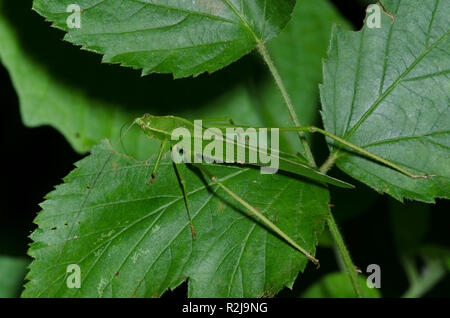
(255, 212)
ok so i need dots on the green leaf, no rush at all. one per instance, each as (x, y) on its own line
(337, 285)
(180, 37)
(386, 90)
(325, 239)
(131, 238)
(86, 101)
(12, 273)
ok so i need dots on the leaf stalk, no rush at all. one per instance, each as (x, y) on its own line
(292, 113)
(349, 266)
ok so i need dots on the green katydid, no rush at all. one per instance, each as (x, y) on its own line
(162, 128)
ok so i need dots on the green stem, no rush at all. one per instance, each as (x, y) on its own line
(329, 163)
(308, 154)
(432, 274)
(410, 269)
(351, 271)
(339, 241)
(292, 113)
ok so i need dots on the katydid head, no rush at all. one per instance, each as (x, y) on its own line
(144, 122)
(156, 127)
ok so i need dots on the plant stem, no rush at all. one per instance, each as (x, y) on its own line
(292, 113)
(351, 271)
(329, 163)
(433, 272)
(309, 156)
(342, 248)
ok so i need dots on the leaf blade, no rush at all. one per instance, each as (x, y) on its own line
(383, 111)
(134, 239)
(183, 37)
(37, 61)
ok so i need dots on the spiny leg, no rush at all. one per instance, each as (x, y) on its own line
(388, 163)
(258, 214)
(313, 129)
(158, 160)
(186, 202)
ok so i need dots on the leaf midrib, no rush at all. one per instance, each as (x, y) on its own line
(244, 21)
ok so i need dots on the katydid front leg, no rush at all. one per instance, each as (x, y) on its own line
(258, 214)
(158, 160)
(186, 202)
(180, 179)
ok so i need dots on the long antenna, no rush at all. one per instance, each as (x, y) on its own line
(122, 134)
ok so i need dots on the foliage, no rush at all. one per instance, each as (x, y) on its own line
(385, 90)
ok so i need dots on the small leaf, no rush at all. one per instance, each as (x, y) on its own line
(386, 90)
(131, 238)
(338, 285)
(181, 37)
(12, 273)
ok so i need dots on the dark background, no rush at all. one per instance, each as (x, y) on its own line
(34, 160)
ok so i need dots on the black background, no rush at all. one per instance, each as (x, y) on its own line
(34, 160)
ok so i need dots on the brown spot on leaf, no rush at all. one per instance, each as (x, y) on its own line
(318, 221)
